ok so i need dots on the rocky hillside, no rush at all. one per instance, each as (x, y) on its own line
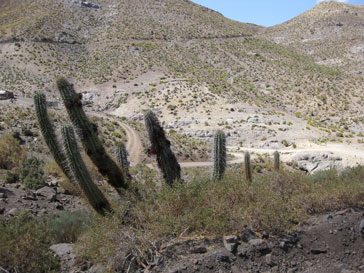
(112, 45)
(331, 33)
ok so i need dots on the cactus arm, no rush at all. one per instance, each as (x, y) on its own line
(88, 136)
(49, 134)
(83, 177)
(160, 145)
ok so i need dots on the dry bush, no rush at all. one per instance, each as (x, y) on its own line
(11, 153)
(274, 202)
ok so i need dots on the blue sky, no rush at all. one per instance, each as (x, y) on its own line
(263, 12)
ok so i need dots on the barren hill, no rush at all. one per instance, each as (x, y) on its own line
(181, 59)
(331, 32)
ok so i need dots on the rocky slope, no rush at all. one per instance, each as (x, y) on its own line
(111, 46)
(331, 33)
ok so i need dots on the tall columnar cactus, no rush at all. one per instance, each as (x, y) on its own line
(49, 134)
(219, 152)
(88, 136)
(122, 158)
(80, 172)
(248, 171)
(160, 146)
(276, 161)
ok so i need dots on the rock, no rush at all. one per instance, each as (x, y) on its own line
(316, 251)
(47, 192)
(12, 212)
(265, 235)
(361, 226)
(318, 162)
(65, 254)
(230, 243)
(235, 269)
(269, 260)
(89, 5)
(221, 257)
(29, 195)
(2, 195)
(248, 235)
(59, 206)
(88, 97)
(198, 249)
(327, 217)
(259, 245)
(2, 210)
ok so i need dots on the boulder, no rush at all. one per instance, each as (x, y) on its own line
(318, 162)
(65, 254)
(49, 193)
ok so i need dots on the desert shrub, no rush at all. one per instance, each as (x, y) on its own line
(11, 177)
(273, 201)
(11, 153)
(24, 245)
(31, 173)
(51, 168)
(66, 227)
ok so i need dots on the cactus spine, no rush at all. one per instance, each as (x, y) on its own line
(80, 172)
(276, 161)
(49, 134)
(248, 172)
(160, 146)
(88, 136)
(122, 158)
(219, 152)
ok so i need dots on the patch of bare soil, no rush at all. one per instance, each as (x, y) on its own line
(326, 243)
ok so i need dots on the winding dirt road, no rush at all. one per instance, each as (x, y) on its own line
(351, 155)
(134, 144)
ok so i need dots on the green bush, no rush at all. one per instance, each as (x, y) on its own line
(66, 227)
(24, 245)
(11, 153)
(11, 177)
(31, 173)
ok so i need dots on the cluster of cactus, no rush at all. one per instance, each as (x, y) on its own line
(161, 147)
(219, 152)
(80, 172)
(91, 144)
(49, 134)
(90, 141)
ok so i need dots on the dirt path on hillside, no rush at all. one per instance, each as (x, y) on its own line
(351, 155)
(134, 144)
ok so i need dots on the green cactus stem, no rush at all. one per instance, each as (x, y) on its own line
(276, 161)
(160, 146)
(88, 136)
(122, 158)
(49, 134)
(219, 152)
(248, 171)
(80, 172)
